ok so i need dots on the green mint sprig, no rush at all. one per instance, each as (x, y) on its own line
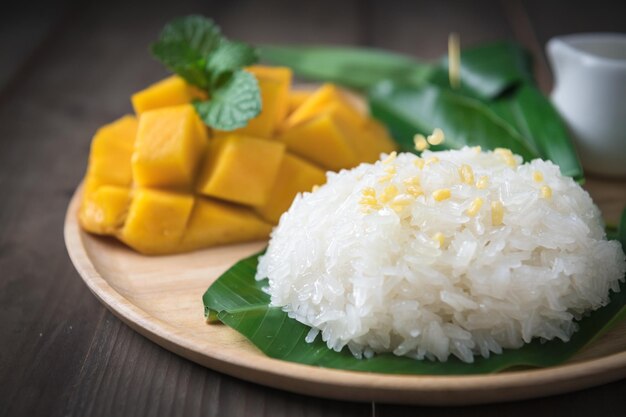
(194, 48)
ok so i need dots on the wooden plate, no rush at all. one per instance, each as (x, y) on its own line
(160, 297)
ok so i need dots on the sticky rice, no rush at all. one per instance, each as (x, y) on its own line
(458, 253)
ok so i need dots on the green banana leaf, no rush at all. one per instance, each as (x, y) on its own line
(523, 121)
(487, 71)
(465, 121)
(238, 300)
(358, 68)
(500, 76)
(490, 70)
(531, 114)
(618, 232)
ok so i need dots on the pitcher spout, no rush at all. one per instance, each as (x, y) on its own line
(561, 56)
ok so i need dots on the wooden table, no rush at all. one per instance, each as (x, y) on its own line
(67, 68)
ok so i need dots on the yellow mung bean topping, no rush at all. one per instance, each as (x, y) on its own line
(420, 142)
(442, 194)
(475, 206)
(497, 213)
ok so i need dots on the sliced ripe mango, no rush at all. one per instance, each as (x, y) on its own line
(170, 144)
(172, 91)
(104, 210)
(323, 140)
(347, 114)
(241, 169)
(162, 186)
(274, 83)
(295, 175)
(317, 103)
(368, 139)
(156, 221)
(216, 223)
(374, 140)
(296, 98)
(111, 150)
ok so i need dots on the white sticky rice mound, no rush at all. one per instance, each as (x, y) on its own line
(376, 280)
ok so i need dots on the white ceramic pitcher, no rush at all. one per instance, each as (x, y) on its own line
(590, 93)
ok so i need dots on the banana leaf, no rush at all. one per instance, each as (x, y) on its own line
(490, 70)
(487, 71)
(500, 76)
(466, 121)
(238, 300)
(531, 114)
(358, 68)
(523, 121)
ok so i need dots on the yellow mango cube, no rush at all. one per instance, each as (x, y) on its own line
(170, 144)
(296, 98)
(346, 113)
(317, 103)
(103, 211)
(374, 139)
(217, 223)
(274, 83)
(241, 169)
(172, 91)
(295, 176)
(323, 140)
(111, 150)
(156, 221)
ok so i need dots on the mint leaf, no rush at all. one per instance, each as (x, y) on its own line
(233, 103)
(185, 44)
(230, 56)
(194, 48)
(182, 60)
(200, 34)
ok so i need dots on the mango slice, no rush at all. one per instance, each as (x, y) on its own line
(111, 150)
(172, 91)
(296, 98)
(156, 221)
(317, 103)
(374, 139)
(104, 209)
(217, 223)
(274, 83)
(170, 144)
(241, 169)
(295, 176)
(323, 140)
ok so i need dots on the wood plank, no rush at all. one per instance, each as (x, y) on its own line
(126, 375)
(605, 401)
(421, 28)
(287, 22)
(518, 18)
(46, 316)
(24, 26)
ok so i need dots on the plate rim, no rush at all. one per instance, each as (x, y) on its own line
(438, 390)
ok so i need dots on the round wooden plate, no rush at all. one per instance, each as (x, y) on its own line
(161, 298)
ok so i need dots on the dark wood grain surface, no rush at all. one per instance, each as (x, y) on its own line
(66, 69)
